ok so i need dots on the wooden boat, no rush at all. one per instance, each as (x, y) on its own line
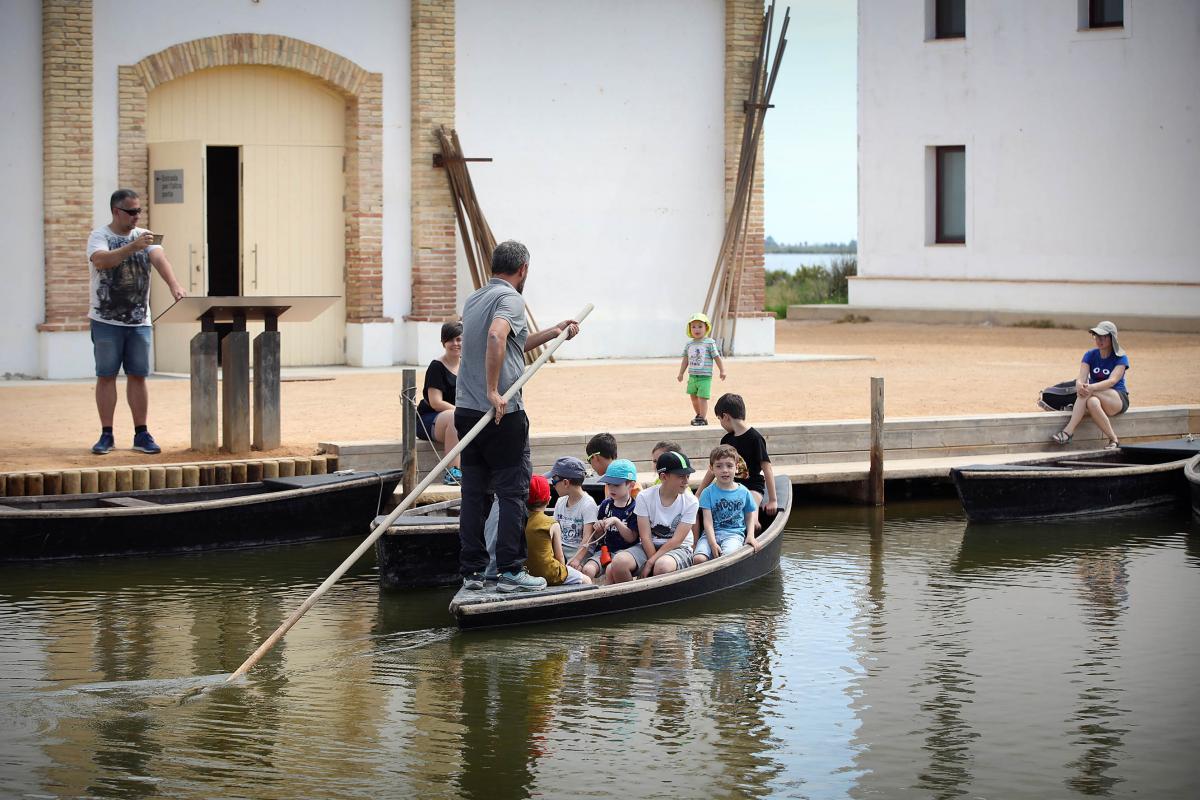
(420, 548)
(1191, 471)
(489, 608)
(272, 511)
(1081, 483)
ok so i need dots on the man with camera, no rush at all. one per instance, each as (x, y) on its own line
(120, 255)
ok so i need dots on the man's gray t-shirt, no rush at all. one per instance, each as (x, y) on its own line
(497, 299)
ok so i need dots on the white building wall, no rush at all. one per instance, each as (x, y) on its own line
(605, 121)
(21, 179)
(372, 33)
(1082, 149)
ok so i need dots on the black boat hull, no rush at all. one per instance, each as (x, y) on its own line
(419, 552)
(489, 610)
(252, 515)
(1191, 473)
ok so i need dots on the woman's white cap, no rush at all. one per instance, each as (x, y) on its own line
(1106, 328)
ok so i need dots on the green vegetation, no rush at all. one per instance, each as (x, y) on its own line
(847, 248)
(1038, 323)
(854, 319)
(808, 284)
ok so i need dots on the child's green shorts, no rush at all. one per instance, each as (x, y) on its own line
(700, 385)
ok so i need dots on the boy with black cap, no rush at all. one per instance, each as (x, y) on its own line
(666, 514)
(575, 511)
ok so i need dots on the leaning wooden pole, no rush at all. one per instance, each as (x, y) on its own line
(404, 505)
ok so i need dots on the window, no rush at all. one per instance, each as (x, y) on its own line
(950, 19)
(1106, 13)
(951, 187)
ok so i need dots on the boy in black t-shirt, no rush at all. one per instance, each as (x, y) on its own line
(754, 463)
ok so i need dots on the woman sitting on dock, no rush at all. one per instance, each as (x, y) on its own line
(1100, 386)
(435, 412)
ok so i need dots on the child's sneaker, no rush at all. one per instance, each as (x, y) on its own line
(698, 421)
(519, 582)
(453, 477)
(145, 442)
(104, 445)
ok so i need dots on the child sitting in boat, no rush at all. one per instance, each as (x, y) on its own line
(543, 540)
(666, 514)
(616, 524)
(602, 451)
(727, 509)
(575, 511)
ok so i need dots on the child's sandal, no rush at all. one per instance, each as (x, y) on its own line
(1062, 437)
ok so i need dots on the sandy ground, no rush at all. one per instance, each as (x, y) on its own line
(930, 370)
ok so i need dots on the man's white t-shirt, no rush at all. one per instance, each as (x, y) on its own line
(572, 519)
(121, 295)
(664, 520)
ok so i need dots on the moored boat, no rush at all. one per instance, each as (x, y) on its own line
(420, 548)
(1191, 471)
(490, 608)
(1080, 483)
(151, 521)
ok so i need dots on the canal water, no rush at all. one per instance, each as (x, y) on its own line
(906, 655)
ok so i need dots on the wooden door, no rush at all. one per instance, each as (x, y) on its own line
(176, 206)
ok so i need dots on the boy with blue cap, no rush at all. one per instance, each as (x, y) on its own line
(616, 525)
(699, 355)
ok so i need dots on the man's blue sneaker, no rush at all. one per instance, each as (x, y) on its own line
(104, 445)
(145, 442)
(519, 582)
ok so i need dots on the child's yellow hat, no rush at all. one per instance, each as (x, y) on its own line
(698, 318)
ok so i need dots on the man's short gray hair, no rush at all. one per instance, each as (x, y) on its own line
(509, 257)
(120, 196)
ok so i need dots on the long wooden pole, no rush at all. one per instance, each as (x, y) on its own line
(367, 543)
(875, 477)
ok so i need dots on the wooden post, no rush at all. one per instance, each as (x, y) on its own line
(408, 426)
(266, 391)
(875, 479)
(204, 392)
(235, 392)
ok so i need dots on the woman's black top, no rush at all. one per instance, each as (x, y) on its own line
(437, 376)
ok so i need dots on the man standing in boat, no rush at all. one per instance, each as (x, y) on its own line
(496, 462)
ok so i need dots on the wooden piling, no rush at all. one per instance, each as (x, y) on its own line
(174, 477)
(270, 469)
(89, 481)
(33, 483)
(157, 477)
(222, 474)
(408, 427)
(141, 478)
(124, 478)
(71, 481)
(191, 475)
(875, 477)
(52, 483)
(107, 480)
(301, 466)
(316, 465)
(237, 472)
(287, 467)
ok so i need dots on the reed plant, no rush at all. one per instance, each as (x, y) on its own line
(809, 284)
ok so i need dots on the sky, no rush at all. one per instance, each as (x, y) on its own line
(811, 158)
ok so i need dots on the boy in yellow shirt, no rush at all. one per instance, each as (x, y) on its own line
(543, 540)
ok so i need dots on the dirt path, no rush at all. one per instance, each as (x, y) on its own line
(931, 370)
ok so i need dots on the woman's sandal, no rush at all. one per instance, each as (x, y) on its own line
(1113, 444)
(1062, 437)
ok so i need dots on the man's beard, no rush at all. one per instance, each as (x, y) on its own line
(521, 285)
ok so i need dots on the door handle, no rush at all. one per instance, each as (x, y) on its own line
(254, 252)
(192, 270)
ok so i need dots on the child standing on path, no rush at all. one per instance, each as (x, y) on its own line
(699, 354)
(727, 509)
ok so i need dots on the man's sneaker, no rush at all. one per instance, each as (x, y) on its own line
(104, 445)
(145, 442)
(474, 581)
(519, 582)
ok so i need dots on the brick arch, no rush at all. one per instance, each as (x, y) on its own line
(363, 93)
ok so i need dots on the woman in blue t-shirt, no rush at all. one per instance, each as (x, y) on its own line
(1100, 386)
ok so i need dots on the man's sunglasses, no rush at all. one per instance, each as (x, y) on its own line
(133, 212)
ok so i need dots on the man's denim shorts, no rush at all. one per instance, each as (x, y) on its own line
(117, 345)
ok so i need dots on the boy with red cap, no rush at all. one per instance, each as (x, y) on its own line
(543, 540)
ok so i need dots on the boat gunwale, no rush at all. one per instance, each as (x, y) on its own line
(481, 608)
(357, 481)
(997, 472)
(1191, 470)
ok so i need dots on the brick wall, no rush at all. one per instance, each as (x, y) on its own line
(434, 259)
(743, 26)
(363, 92)
(66, 159)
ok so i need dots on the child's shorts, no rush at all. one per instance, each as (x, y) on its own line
(700, 385)
(682, 556)
(728, 542)
(574, 577)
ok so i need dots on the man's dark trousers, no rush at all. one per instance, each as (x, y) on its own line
(496, 462)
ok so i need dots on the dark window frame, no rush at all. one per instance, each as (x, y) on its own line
(938, 32)
(1096, 18)
(938, 236)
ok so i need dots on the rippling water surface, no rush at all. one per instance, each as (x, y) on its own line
(910, 655)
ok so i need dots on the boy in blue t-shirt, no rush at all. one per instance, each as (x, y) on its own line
(727, 509)
(615, 520)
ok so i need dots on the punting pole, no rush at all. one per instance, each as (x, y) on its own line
(404, 505)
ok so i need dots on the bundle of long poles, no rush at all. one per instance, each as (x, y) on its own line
(725, 286)
(478, 241)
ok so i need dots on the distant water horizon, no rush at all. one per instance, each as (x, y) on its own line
(793, 261)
